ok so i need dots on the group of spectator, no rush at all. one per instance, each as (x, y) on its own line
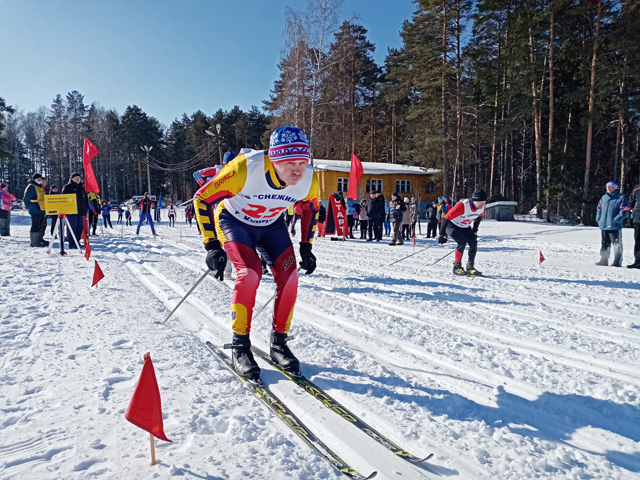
(88, 209)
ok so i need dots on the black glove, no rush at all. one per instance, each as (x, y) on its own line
(442, 239)
(308, 263)
(216, 258)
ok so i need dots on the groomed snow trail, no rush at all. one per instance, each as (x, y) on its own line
(530, 373)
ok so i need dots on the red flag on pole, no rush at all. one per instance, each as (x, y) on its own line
(97, 274)
(145, 408)
(87, 246)
(89, 151)
(541, 257)
(355, 172)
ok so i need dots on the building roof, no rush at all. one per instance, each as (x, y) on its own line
(371, 168)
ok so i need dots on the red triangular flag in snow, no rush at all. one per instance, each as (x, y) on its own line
(97, 274)
(145, 408)
(414, 238)
(87, 250)
(89, 151)
(541, 257)
(355, 172)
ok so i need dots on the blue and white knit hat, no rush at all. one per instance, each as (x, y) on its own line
(612, 184)
(289, 144)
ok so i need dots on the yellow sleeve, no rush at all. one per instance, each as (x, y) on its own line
(228, 183)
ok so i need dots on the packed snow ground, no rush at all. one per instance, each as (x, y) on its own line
(529, 373)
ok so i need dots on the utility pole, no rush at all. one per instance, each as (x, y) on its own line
(218, 139)
(147, 149)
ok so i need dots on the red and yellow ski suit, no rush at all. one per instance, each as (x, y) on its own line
(243, 206)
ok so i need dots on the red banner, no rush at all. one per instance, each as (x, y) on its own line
(338, 214)
(88, 152)
(355, 172)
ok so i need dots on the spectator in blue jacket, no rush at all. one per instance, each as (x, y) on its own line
(611, 212)
(106, 213)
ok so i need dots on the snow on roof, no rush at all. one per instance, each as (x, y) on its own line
(371, 168)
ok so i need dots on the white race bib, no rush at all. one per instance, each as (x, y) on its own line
(259, 203)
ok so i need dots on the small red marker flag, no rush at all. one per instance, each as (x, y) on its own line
(97, 274)
(87, 247)
(541, 257)
(145, 408)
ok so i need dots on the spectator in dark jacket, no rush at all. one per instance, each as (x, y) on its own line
(34, 201)
(611, 212)
(634, 203)
(432, 220)
(76, 221)
(375, 212)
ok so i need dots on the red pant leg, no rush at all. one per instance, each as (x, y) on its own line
(285, 275)
(249, 268)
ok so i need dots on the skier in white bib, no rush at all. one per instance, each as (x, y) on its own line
(240, 214)
(462, 222)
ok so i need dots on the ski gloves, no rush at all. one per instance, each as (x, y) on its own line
(216, 258)
(308, 263)
(442, 239)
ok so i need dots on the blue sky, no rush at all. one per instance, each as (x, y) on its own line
(167, 56)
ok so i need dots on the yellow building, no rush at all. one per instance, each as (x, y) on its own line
(407, 180)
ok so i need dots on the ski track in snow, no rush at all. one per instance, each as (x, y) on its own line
(529, 373)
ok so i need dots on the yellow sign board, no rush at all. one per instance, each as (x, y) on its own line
(64, 204)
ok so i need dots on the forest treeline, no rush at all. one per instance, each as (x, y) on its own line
(537, 101)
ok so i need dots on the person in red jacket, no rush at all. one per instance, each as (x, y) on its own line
(145, 213)
(462, 222)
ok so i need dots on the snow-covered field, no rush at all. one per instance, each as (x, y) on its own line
(529, 373)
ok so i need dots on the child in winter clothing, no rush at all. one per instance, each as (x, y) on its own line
(396, 210)
(364, 219)
(5, 209)
(406, 220)
(105, 211)
(387, 221)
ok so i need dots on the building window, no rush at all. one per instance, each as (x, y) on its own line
(374, 183)
(431, 187)
(403, 186)
(343, 184)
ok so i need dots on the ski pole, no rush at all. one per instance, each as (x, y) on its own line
(403, 258)
(185, 297)
(442, 258)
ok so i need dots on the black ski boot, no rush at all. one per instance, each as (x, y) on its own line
(243, 360)
(472, 271)
(281, 354)
(458, 270)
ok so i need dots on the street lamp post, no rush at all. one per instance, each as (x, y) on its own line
(147, 149)
(218, 139)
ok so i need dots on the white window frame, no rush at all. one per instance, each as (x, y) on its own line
(343, 184)
(403, 186)
(375, 182)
